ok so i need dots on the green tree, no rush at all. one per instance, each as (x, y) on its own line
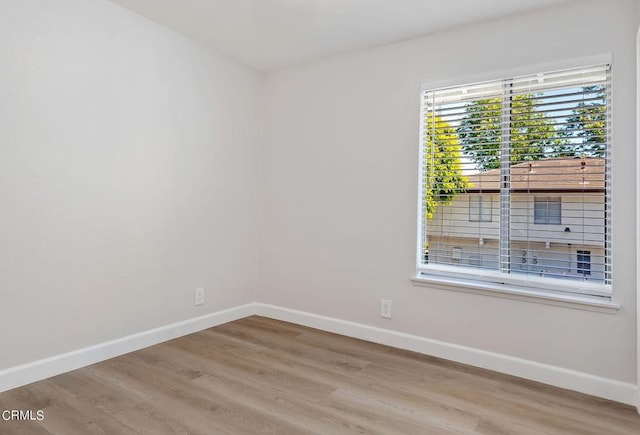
(480, 132)
(586, 128)
(532, 135)
(443, 164)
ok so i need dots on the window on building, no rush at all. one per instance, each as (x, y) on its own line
(584, 262)
(547, 210)
(540, 146)
(480, 208)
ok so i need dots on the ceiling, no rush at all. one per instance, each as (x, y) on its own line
(272, 34)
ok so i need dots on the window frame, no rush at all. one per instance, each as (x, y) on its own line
(482, 202)
(547, 201)
(585, 254)
(508, 285)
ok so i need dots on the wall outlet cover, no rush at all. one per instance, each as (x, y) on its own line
(198, 296)
(385, 308)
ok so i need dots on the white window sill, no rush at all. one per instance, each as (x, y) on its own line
(580, 302)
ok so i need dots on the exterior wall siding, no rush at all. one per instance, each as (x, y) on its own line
(542, 249)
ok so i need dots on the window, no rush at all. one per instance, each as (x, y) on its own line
(584, 262)
(480, 208)
(547, 211)
(538, 146)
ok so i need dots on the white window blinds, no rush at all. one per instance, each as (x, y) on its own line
(515, 180)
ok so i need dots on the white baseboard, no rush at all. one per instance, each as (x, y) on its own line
(545, 373)
(570, 379)
(45, 368)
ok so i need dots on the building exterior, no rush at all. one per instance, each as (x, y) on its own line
(556, 223)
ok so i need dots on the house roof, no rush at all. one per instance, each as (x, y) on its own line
(577, 174)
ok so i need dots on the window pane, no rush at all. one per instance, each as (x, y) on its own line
(474, 208)
(516, 175)
(480, 208)
(584, 262)
(547, 211)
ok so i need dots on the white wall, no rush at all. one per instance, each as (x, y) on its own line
(340, 186)
(637, 197)
(129, 161)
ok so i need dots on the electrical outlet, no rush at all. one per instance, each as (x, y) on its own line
(385, 308)
(198, 296)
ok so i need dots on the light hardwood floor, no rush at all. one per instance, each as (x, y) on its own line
(258, 375)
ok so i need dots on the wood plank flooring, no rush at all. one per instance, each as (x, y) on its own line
(261, 376)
